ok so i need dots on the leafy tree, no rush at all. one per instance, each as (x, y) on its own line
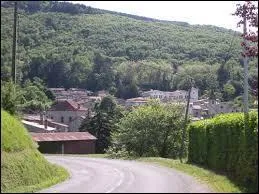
(10, 97)
(30, 98)
(249, 10)
(228, 91)
(101, 124)
(150, 130)
(222, 75)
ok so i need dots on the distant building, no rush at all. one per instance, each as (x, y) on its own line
(72, 93)
(178, 95)
(67, 112)
(102, 93)
(205, 108)
(135, 101)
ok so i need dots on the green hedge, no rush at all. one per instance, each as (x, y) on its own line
(222, 144)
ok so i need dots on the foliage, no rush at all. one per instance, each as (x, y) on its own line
(101, 124)
(23, 168)
(222, 144)
(72, 45)
(150, 130)
(10, 97)
(29, 98)
(228, 91)
(249, 10)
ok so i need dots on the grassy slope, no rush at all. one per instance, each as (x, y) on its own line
(23, 168)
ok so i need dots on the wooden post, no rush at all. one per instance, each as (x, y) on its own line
(14, 43)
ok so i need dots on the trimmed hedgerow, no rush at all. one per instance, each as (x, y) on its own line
(223, 144)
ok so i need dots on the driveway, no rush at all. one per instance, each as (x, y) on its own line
(95, 175)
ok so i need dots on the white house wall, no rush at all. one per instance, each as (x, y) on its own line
(76, 122)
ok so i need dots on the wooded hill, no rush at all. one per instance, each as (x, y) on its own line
(73, 45)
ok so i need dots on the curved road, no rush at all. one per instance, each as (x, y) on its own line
(92, 175)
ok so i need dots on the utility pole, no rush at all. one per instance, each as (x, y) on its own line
(185, 120)
(245, 58)
(14, 43)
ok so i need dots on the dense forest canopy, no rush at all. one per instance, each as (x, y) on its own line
(72, 45)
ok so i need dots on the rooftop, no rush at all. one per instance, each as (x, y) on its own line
(62, 136)
(196, 107)
(67, 105)
(139, 99)
(38, 125)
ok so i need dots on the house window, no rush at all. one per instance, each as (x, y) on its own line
(70, 119)
(62, 119)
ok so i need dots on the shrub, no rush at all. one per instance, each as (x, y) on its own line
(151, 130)
(222, 144)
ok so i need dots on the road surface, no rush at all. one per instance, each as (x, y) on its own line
(92, 175)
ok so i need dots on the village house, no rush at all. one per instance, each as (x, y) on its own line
(206, 108)
(135, 101)
(68, 112)
(72, 93)
(178, 95)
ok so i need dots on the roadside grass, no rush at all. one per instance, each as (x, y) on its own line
(23, 168)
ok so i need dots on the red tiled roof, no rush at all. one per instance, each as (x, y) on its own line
(67, 105)
(62, 136)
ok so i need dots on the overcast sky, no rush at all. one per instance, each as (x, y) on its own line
(216, 13)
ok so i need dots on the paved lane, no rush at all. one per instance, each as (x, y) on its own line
(92, 175)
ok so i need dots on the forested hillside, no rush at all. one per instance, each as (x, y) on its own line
(73, 45)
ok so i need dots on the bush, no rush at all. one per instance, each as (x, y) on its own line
(222, 144)
(151, 130)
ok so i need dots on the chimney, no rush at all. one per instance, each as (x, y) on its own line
(46, 124)
(41, 119)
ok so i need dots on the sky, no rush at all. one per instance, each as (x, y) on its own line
(216, 13)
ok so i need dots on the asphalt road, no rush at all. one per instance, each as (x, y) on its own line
(92, 175)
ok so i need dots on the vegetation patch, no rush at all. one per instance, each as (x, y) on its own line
(224, 145)
(23, 168)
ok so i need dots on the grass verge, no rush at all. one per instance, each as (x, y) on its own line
(23, 168)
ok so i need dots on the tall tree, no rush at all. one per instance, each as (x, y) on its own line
(102, 123)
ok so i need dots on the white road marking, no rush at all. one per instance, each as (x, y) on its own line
(119, 183)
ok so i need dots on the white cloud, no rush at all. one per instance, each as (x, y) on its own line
(216, 13)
